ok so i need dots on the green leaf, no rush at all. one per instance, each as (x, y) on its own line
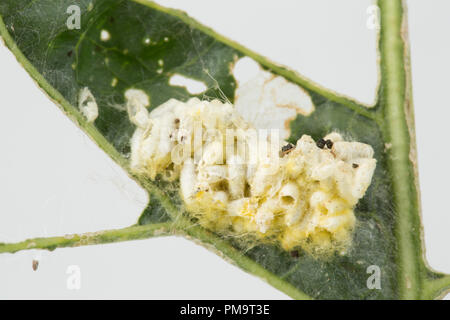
(147, 45)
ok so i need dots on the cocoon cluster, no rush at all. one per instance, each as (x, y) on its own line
(302, 195)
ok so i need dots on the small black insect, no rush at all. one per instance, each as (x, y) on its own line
(355, 165)
(294, 254)
(329, 144)
(69, 54)
(321, 143)
(287, 148)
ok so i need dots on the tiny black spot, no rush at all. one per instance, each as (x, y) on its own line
(112, 20)
(287, 147)
(69, 54)
(355, 165)
(321, 143)
(329, 144)
(294, 254)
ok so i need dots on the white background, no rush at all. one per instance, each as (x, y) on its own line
(54, 180)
